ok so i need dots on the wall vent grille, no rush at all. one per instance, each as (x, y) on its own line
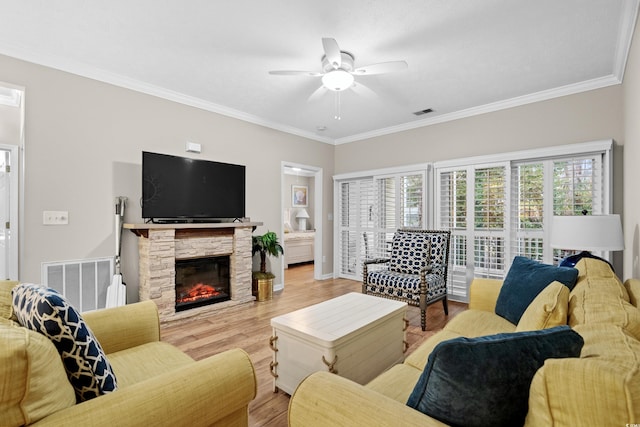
(83, 282)
(421, 112)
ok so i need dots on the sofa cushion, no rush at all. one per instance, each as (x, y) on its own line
(485, 381)
(396, 382)
(409, 252)
(550, 308)
(600, 298)
(33, 381)
(524, 281)
(141, 362)
(602, 388)
(46, 311)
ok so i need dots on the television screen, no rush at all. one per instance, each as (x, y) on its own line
(182, 189)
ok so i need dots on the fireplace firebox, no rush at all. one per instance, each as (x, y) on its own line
(202, 281)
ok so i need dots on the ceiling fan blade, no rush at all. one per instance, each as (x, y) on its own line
(317, 94)
(381, 68)
(332, 52)
(364, 91)
(295, 73)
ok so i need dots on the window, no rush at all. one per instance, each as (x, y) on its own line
(370, 210)
(508, 212)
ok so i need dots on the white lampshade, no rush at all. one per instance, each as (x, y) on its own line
(302, 219)
(587, 233)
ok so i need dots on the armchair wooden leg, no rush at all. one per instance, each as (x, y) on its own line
(445, 304)
(423, 319)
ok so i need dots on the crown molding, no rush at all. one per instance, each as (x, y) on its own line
(94, 73)
(489, 108)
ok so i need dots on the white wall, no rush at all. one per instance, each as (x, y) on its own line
(83, 144)
(631, 219)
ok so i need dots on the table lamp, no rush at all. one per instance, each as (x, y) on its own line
(586, 233)
(302, 219)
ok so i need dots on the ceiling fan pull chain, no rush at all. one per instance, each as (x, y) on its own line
(338, 115)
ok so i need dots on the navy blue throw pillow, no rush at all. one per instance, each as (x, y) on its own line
(525, 280)
(484, 381)
(46, 311)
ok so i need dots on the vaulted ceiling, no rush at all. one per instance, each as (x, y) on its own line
(464, 57)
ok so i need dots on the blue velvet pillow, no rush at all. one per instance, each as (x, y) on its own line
(46, 311)
(485, 381)
(525, 280)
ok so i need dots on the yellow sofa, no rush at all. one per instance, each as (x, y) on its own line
(601, 388)
(157, 383)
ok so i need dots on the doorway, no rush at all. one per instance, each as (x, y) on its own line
(301, 209)
(11, 132)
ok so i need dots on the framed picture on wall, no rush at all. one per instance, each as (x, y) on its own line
(299, 195)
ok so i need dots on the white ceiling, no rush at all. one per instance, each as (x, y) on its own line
(465, 56)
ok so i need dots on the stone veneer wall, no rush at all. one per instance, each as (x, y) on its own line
(160, 248)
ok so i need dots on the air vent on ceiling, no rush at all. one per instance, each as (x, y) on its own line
(421, 112)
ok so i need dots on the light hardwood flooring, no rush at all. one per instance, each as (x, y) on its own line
(248, 327)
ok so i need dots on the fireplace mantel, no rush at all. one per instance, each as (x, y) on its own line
(160, 245)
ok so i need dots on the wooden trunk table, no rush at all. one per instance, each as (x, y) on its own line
(356, 336)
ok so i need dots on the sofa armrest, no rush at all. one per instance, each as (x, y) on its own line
(325, 399)
(483, 294)
(212, 391)
(124, 327)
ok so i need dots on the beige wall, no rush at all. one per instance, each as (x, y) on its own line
(631, 220)
(9, 124)
(588, 116)
(83, 144)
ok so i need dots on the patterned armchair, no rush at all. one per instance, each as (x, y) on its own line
(416, 273)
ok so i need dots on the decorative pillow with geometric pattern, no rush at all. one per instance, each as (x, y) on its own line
(46, 311)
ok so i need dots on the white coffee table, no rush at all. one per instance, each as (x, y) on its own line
(356, 336)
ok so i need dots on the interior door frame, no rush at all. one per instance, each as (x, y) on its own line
(317, 214)
(14, 200)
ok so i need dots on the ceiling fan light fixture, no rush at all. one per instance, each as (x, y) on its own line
(337, 80)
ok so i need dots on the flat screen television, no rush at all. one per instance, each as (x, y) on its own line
(180, 189)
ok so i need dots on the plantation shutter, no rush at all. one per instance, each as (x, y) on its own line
(509, 206)
(489, 219)
(371, 210)
(355, 219)
(528, 210)
(452, 216)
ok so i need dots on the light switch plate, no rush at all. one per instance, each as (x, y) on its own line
(55, 217)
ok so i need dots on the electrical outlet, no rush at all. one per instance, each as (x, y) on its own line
(55, 217)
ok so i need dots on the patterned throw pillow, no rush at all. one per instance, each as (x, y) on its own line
(46, 311)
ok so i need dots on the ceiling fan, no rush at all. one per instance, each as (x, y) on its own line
(339, 73)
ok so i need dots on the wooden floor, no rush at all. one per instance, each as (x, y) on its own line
(248, 327)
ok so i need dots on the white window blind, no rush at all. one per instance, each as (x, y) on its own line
(509, 207)
(453, 216)
(489, 201)
(371, 209)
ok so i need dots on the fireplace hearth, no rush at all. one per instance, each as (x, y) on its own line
(202, 281)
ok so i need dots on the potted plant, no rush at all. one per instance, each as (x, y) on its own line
(267, 244)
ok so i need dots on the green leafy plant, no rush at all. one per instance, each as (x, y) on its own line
(267, 244)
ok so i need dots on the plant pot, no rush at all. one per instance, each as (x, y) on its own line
(262, 289)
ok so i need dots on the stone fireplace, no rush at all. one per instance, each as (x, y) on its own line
(162, 246)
